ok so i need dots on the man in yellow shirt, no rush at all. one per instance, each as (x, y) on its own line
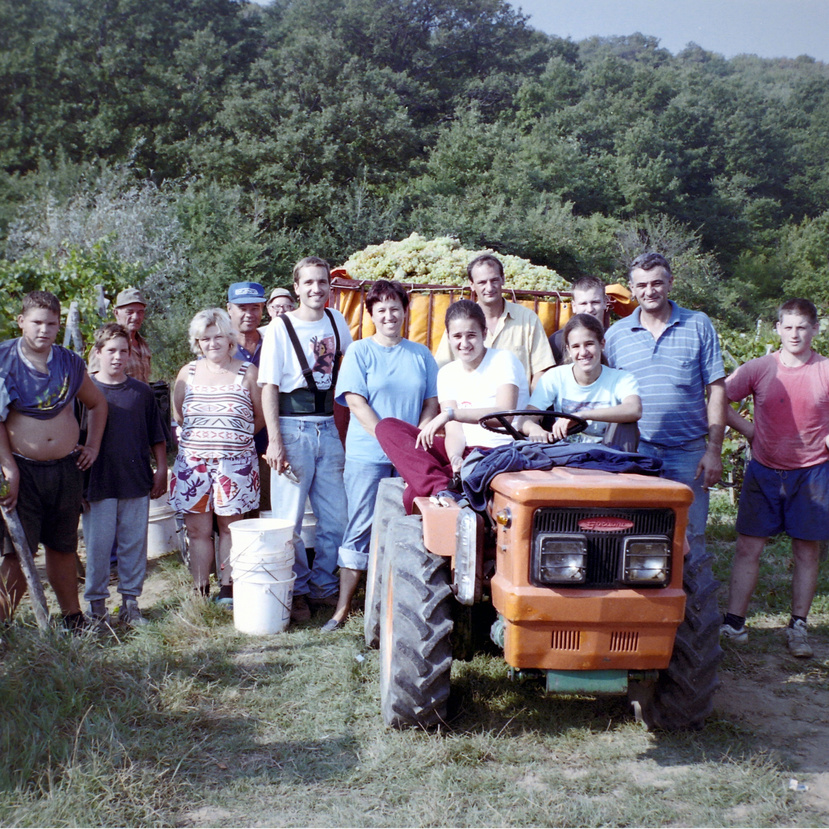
(510, 326)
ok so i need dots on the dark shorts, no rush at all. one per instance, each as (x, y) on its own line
(794, 501)
(49, 503)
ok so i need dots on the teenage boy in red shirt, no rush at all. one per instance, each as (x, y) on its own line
(786, 486)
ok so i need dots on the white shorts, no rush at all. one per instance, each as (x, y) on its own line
(225, 486)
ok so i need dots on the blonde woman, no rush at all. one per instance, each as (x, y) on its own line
(218, 405)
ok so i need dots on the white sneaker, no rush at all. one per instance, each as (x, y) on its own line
(130, 613)
(737, 635)
(797, 639)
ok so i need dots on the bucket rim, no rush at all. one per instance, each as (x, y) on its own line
(271, 580)
(246, 525)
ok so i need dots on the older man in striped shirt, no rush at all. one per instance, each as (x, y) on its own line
(675, 355)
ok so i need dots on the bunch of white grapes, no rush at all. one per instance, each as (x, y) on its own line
(443, 261)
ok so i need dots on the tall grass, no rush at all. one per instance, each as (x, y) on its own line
(187, 722)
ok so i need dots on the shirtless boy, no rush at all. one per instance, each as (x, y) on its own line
(39, 452)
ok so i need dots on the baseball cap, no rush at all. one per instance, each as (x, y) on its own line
(244, 293)
(128, 296)
(281, 292)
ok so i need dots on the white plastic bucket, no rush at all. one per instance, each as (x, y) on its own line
(259, 539)
(161, 529)
(308, 534)
(261, 605)
(261, 548)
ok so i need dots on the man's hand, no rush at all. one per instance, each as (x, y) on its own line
(710, 467)
(86, 456)
(276, 457)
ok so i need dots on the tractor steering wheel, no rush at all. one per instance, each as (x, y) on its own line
(505, 427)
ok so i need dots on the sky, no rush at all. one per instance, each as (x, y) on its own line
(768, 28)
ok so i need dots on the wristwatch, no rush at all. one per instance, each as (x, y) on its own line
(451, 412)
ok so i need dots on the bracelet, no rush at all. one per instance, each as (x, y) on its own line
(451, 413)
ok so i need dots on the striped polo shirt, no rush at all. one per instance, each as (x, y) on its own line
(672, 372)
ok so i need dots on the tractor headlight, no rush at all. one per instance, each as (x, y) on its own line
(646, 560)
(560, 559)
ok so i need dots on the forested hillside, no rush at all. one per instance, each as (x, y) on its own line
(188, 143)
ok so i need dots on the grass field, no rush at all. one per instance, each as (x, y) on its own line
(189, 723)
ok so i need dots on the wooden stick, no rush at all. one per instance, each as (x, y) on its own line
(27, 564)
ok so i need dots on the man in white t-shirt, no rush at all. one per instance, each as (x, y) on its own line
(298, 373)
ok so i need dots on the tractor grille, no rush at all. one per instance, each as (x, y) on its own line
(604, 548)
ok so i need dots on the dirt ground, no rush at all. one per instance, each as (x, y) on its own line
(785, 701)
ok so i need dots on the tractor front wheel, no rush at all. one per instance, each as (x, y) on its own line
(387, 507)
(683, 695)
(415, 630)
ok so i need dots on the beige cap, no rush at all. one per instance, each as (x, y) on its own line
(128, 296)
(281, 292)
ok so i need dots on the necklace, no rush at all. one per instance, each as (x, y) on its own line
(223, 369)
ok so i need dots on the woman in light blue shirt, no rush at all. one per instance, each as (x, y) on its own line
(384, 375)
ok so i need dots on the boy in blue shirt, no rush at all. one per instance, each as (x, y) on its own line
(121, 481)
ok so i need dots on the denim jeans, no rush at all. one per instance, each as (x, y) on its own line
(361, 482)
(315, 452)
(680, 464)
(125, 519)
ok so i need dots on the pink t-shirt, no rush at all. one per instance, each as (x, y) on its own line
(791, 409)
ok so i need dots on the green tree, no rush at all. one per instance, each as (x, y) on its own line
(114, 78)
(804, 252)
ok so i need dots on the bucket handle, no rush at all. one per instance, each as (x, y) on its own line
(256, 569)
(267, 589)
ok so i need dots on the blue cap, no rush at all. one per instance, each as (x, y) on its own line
(243, 293)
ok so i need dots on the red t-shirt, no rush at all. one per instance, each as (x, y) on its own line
(791, 409)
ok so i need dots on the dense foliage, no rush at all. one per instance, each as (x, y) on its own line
(208, 140)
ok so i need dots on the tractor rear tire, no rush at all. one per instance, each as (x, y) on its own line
(683, 695)
(388, 506)
(415, 630)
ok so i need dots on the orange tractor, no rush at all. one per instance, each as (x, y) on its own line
(588, 578)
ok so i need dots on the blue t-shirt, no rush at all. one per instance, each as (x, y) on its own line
(672, 372)
(558, 388)
(394, 380)
(246, 357)
(27, 390)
